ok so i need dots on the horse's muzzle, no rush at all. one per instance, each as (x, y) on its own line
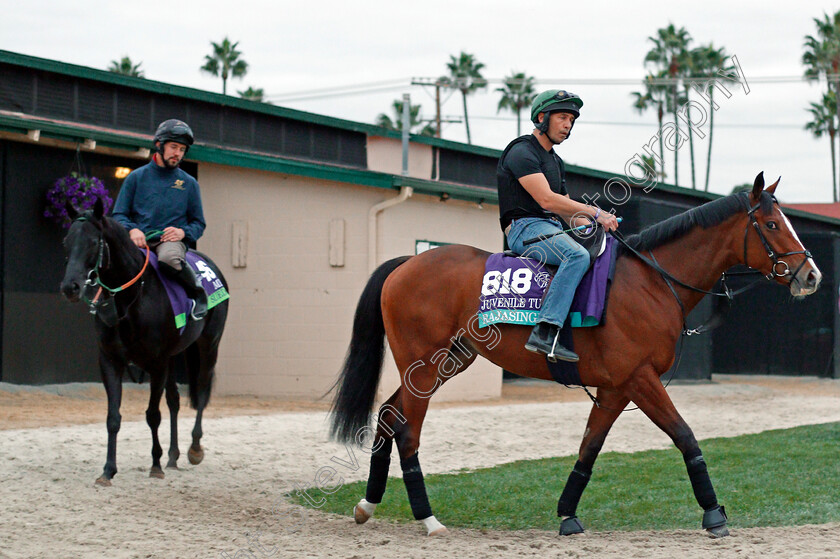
(71, 290)
(806, 281)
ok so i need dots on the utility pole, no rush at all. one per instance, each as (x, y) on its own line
(437, 83)
(437, 108)
(406, 124)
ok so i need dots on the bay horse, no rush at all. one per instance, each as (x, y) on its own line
(143, 332)
(427, 306)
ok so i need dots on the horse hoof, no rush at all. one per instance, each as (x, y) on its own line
(102, 481)
(719, 532)
(360, 515)
(442, 531)
(156, 472)
(571, 525)
(714, 521)
(172, 466)
(195, 456)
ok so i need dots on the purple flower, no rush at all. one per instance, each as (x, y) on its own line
(81, 191)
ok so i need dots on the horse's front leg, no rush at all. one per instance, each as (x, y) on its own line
(173, 402)
(157, 378)
(647, 392)
(601, 419)
(111, 370)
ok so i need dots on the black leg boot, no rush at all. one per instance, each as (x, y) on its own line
(186, 277)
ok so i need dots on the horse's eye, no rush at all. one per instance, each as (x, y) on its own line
(772, 225)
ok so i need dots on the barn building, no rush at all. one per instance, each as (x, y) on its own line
(300, 208)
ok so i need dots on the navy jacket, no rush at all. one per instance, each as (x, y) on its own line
(153, 198)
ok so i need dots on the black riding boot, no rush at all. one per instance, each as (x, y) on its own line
(195, 291)
(543, 339)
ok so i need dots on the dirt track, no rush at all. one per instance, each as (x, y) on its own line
(52, 447)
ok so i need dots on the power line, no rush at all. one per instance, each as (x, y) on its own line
(649, 124)
(400, 83)
(340, 90)
(282, 99)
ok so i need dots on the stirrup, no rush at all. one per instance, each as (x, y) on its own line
(193, 314)
(564, 354)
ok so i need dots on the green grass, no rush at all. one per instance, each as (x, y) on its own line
(775, 478)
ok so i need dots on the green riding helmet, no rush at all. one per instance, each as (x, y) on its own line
(554, 100)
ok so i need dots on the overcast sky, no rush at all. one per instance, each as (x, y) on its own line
(314, 52)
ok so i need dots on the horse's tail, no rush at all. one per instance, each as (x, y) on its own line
(363, 366)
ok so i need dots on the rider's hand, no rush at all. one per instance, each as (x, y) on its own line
(172, 234)
(138, 238)
(608, 221)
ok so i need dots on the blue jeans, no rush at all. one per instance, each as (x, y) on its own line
(560, 250)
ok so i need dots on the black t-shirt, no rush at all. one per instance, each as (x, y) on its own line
(522, 157)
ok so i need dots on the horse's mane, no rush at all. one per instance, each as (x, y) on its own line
(116, 233)
(705, 216)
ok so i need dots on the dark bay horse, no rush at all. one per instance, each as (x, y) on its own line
(143, 332)
(427, 306)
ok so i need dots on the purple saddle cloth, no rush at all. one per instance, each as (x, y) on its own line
(513, 288)
(216, 291)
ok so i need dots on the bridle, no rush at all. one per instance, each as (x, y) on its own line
(771, 254)
(94, 281)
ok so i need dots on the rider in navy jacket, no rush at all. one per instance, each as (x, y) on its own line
(162, 199)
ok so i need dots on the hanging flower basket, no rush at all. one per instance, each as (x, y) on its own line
(81, 191)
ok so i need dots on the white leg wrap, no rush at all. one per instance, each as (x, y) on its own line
(433, 527)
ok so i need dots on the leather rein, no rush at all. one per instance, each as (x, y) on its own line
(780, 269)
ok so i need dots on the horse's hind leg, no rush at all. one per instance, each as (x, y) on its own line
(173, 402)
(201, 363)
(157, 378)
(388, 420)
(601, 419)
(647, 391)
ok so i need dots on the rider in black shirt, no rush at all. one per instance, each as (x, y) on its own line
(533, 199)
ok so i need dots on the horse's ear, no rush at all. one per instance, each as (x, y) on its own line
(71, 211)
(758, 186)
(772, 188)
(98, 209)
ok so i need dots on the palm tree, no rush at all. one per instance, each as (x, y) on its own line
(822, 57)
(823, 115)
(224, 62)
(648, 167)
(465, 76)
(252, 94)
(517, 94)
(710, 63)
(746, 187)
(654, 96)
(126, 67)
(670, 53)
(385, 121)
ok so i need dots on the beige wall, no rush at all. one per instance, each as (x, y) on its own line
(291, 313)
(385, 155)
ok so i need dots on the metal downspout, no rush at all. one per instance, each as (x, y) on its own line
(405, 194)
